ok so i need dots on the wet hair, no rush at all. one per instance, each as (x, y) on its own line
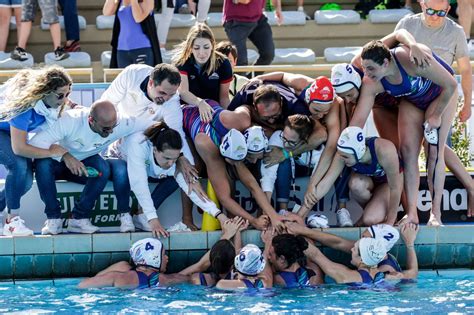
(163, 137)
(164, 71)
(376, 51)
(226, 48)
(184, 50)
(222, 257)
(302, 124)
(266, 94)
(29, 86)
(291, 247)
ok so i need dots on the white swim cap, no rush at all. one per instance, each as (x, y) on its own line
(233, 145)
(352, 141)
(147, 252)
(344, 77)
(256, 139)
(372, 251)
(317, 221)
(387, 233)
(250, 261)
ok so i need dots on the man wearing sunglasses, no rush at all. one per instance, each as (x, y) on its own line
(446, 38)
(84, 133)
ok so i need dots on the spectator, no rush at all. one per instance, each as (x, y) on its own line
(244, 19)
(71, 24)
(49, 11)
(29, 101)
(134, 38)
(227, 49)
(189, 7)
(464, 11)
(167, 11)
(84, 133)
(6, 8)
(205, 73)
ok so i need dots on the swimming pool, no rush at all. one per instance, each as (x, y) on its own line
(435, 292)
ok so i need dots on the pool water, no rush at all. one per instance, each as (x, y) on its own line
(443, 292)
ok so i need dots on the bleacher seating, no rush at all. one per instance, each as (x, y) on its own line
(7, 63)
(289, 18)
(104, 22)
(341, 54)
(179, 20)
(81, 20)
(388, 16)
(294, 55)
(337, 17)
(75, 60)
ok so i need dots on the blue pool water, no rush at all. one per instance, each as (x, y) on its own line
(446, 292)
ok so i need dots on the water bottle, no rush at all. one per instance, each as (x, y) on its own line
(269, 6)
(92, 172)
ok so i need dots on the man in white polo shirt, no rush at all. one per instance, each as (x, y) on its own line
(84, 133)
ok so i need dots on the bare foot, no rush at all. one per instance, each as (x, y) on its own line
(408, 219)
(190, 225)
(470, 204)
(435, 220)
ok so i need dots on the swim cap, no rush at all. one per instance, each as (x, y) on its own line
(320, 91)
(147, 252)
(372, 251)
(352, 141)
(233, 145)
(387, 233)
(249, 261)
(345, 77)
(256, 140)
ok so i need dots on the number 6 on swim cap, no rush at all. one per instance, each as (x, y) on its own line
(352, 141)
(233, 145)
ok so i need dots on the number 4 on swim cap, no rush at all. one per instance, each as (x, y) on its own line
(148, 246)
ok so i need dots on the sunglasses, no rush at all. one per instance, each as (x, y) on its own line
(60, 96)
(289, 143)
(272, 117)
(440, 13)
(105, 129)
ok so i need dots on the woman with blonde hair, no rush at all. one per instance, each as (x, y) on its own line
(205, 73)
(31, 100)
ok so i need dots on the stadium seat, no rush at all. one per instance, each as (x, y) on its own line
(7, 63)
(75, 60)
(81, 19)
(214, 19)
(388, 15)
(289, 18)
(179, 20)
(105, 58)
(252, 56)
(341, 54)
(104, 22)
(337, 17)
(294, 55)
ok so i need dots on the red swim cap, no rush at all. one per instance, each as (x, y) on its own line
(320, 91)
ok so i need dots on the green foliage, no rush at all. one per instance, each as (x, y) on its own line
(461, 138)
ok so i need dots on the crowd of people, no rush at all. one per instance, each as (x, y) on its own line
(173, 123)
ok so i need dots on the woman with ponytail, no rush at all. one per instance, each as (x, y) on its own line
(290, 266)
(31, 100)
(152, 154)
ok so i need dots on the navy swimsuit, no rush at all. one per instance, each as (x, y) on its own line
(299, 278)
(145, 281)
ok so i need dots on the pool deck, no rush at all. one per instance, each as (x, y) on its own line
(75, 255)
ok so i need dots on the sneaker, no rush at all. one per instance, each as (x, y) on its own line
(74, 47)
(184, 9)
(344, 218)
(141, 222)
(60, 54)
(317, 221)
(19, 54)
(470, 45)
(81, 226)
(126, 223)
(16, 227)
(52, 226)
